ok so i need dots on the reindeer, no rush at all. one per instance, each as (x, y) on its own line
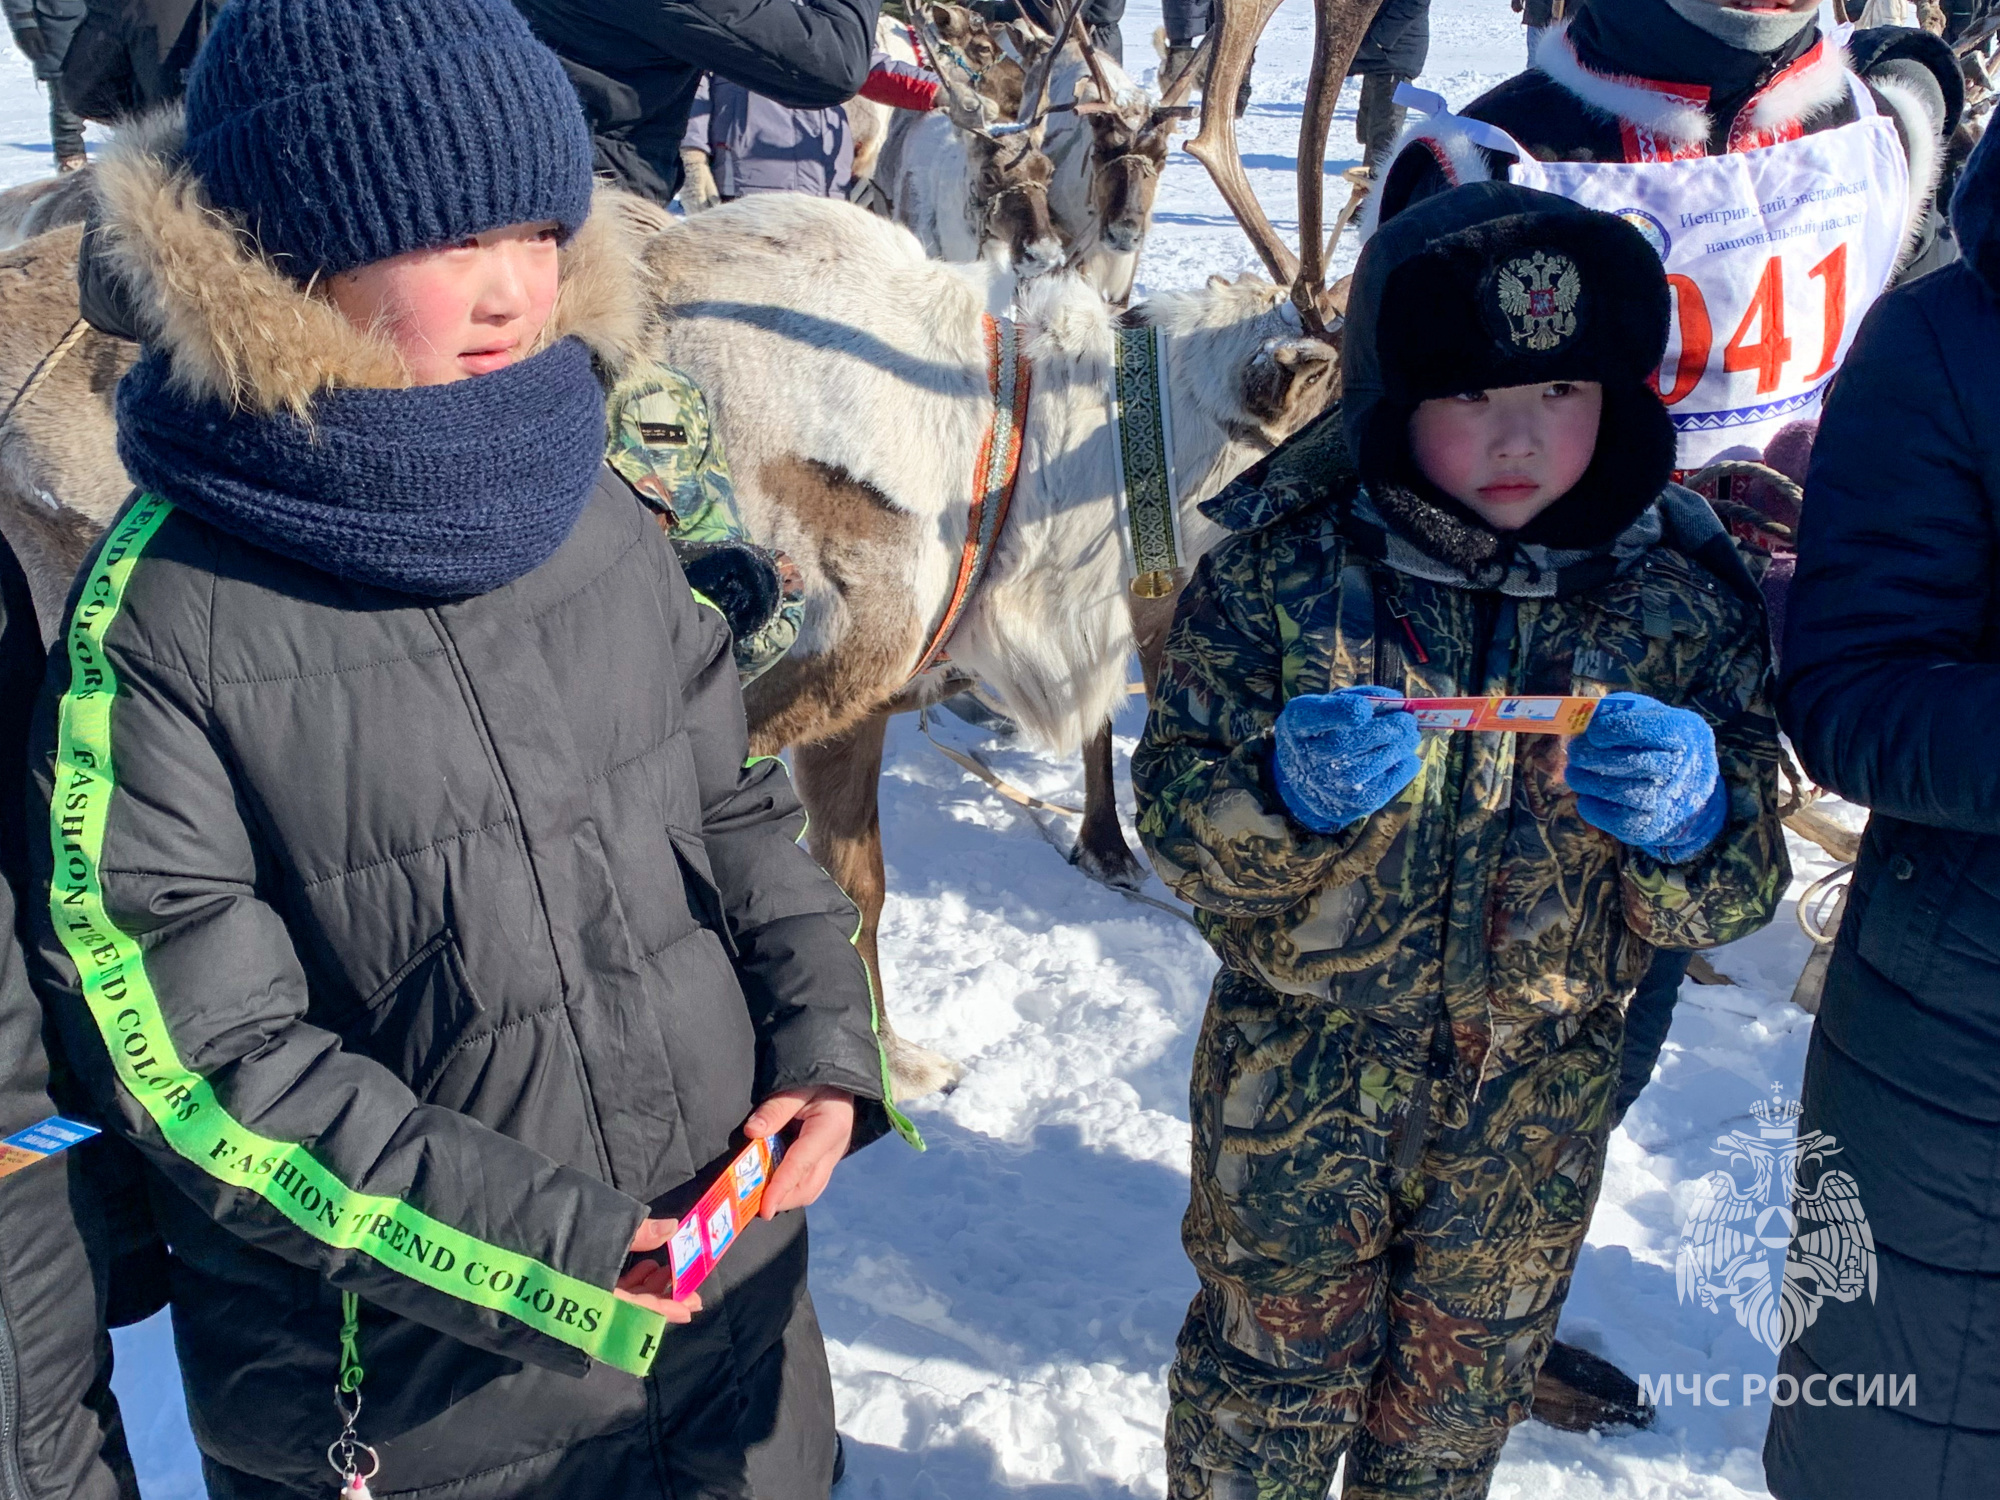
(968, 184)
(788, 351)
(790, 347)
(1109, 143)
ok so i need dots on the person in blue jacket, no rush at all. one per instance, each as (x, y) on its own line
(1891, 693)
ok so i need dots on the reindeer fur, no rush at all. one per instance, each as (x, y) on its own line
(847, 375)
(46, 203)
(60, 479)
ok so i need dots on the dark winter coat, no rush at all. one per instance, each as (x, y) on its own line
(1891, 693)
(1606, 68)
(1398, 40)
(43, 30)
(1482, 893)
(431, 946)
(129, 55)
(60, 1435)
(760, 146)
(635, 64)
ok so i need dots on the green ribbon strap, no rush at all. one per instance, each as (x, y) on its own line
(1145, 461)
(111, 970)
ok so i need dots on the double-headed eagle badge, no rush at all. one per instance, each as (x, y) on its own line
(1776, 1253)
(1538, 295)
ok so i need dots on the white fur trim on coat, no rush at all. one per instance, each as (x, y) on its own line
(1794, 98)
(1923, 138)
(1671, 117)
(1803, 92)
(1446, 139)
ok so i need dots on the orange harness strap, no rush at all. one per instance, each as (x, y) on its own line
(993, 478)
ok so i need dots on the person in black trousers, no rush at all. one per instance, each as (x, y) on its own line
(43, 30)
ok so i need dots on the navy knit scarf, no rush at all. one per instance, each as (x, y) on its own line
(445, 491)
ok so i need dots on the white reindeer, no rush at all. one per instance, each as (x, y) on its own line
(1107, 139)
(850, 389)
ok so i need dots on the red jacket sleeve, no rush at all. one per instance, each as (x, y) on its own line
(901, 86)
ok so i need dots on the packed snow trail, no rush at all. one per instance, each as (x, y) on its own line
(1000, 1311)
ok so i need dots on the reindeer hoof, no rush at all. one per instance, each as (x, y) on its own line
(916, 1071)
(1117, 868)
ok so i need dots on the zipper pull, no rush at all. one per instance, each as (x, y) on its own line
(1395, 607)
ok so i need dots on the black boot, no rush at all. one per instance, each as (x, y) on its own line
(1579, 1392)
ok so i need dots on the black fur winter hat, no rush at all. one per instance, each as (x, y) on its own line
(1519, 300)
(1494, 285)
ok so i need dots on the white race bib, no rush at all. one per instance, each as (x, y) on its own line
(1773, 256)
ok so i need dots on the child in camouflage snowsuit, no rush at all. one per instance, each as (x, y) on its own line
(1401, 1091)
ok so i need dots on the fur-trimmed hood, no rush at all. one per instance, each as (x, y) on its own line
(1678, 113)
(240, 330)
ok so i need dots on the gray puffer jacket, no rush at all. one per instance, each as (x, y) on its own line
(428, 946)
(60, 1436)
(757, 145)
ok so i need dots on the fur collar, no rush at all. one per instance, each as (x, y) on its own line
(1679, 112)
(240, 330)
(1923, 137)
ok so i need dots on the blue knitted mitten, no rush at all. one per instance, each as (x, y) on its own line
(1646, 774)
(1339, 756)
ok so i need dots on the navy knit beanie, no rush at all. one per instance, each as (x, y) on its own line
(348, 131)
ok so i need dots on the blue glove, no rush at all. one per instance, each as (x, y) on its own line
(1338, 757)
(1646, 775)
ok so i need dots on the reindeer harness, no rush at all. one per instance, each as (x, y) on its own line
(1143, 437)
(994, 475)
(1141, 414)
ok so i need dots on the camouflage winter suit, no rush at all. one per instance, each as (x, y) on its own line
(663, 444)
(1401, 1089)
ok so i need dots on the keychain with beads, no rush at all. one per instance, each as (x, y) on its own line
(347, 1453)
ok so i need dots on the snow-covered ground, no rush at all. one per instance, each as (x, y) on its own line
(1000, 1310)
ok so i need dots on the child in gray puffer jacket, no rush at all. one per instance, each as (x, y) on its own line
(407, 895)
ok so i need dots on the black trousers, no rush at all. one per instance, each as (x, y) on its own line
(1187, 19)
(1647, 1020)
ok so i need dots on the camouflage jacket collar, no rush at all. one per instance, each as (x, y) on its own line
(1525, 570)
(1313, 468)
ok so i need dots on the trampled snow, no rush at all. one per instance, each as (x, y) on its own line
(1000, 1310)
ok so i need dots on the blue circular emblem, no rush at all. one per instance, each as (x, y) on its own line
(1654, 231)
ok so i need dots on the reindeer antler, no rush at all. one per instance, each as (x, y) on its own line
(1090, 58)
(1035, 91)
(1338, 26)
(1231, 41)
